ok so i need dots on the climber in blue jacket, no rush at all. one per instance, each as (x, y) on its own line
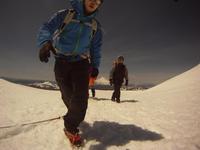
(74, 36)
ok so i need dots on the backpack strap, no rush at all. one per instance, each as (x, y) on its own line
(94, 26)
(67, 20)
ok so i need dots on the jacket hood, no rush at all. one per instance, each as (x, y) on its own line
(78, 6)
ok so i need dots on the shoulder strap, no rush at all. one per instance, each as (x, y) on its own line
(69, 16)
(94, 27)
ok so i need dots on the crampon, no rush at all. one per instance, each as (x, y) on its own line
(74, 138)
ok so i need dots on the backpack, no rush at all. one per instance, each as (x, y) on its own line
(69, 18)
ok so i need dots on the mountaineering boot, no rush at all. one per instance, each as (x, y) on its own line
(118, 100)
(112, 99)
(74, 138)
(93, 92)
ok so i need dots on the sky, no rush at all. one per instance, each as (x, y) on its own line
(158, 38)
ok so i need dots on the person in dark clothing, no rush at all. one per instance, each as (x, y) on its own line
(92, 84)
(76, 46)
(118, 73)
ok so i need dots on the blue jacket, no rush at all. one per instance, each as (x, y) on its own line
(76, 37)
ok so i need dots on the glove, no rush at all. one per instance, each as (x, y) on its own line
(111, 82)
(94, 72)
(44, 53)
(126, 83)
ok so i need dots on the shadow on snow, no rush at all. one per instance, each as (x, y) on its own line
(115, 134)
(105, 99)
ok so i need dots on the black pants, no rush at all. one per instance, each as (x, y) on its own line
(73, 79)
(93, 91)
(116, 93)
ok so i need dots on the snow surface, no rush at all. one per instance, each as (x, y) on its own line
(102, 81)
(165, 117)
(45, 85)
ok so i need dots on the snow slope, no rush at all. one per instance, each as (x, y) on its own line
(165, 117)
(102, 81)
(45, 85)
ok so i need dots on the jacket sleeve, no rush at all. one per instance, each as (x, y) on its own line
(95, 49)
(126, 73)
(47, 30)
(111, 73)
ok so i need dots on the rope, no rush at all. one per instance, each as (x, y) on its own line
(31, 123)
